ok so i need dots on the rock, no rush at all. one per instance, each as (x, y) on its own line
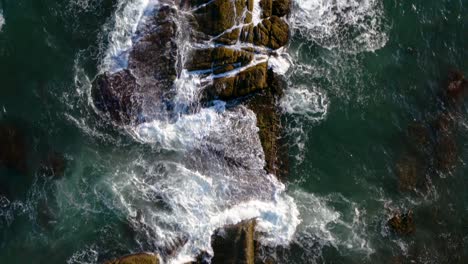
(235, 244)
(219, 15)
(446, 152)
(113, 94)
(153, 58)
(272, 32)
(402, 223)
(281, 7)
(140, 258)
(409, 173)
(246, 82)
(457, 85)
(217, 58)
(268, 121)
(13, 152)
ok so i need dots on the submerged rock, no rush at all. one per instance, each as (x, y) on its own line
(140, 258)
(13, 149)
(402, 223)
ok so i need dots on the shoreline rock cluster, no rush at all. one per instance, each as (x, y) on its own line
(231, 45)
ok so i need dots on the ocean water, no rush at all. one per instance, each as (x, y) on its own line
(358, 72)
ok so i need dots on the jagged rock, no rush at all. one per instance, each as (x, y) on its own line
(272, 32)
(235, 244)
(281, 7)
(219, 15)
(13, 152)
(140, 258)
(217, 58)
(112, 94)
(402, 223)
(268, 121)
(153, 58)
(250, 80)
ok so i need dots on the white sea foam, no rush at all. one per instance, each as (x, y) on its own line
(305, 101)
(128, 17)
(257, 13)
(349, 25)
(2, 20)
(344, 230)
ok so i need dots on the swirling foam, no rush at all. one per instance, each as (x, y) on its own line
(306, 102)
(348, 25)
(2, 20)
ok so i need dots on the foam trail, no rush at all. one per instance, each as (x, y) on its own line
(309, 103)
(349, 25)
(2, 20)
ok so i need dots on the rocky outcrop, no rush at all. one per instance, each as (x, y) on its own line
(231, 21)
(140, 258)
(114, 94)
(235, 244)
(432, 145)
(151, 72)
(230, 47)
(219, 59)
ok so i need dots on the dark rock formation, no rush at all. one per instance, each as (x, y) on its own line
(272, 32)
(219, 59)
(149, 79)
(235, 244)
(245, 82)
(140, 258)
(402, 223)
(114, 94)
(13, 149)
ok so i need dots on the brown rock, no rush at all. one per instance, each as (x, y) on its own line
(402, 223)
(215, 58)
(272, 32)
(281, 7)
(140, 258)
(13, 153)
(246, 82)
(409, 173)
(235, 244)
(268, 121)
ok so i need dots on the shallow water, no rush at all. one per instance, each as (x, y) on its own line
(361, 72)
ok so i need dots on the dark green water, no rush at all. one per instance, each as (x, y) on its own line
(342, 174)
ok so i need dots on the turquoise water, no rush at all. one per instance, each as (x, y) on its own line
(379, 70)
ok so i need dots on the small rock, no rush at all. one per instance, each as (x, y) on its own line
(402, 223)
(140, 258)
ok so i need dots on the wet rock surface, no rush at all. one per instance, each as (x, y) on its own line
(432, 145)
(235, 244)
(141, 258)
(402, 223)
